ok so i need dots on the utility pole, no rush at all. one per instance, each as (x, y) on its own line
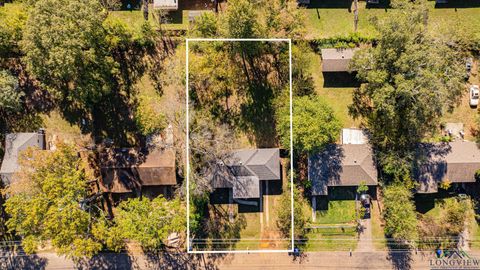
(145, 9)
(355, 14)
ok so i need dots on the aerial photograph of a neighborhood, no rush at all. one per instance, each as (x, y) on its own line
(239, 134)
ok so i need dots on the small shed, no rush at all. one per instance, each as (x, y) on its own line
(353, 136)
(337, 60)
(165, 4)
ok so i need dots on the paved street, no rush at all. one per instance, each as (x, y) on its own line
(314, 260)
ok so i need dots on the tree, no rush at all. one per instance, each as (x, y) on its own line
(399, 214)
(44, 203)
(362, 187)
(10, 97)
(148, 222)
(314, 124)
(284, 214)
(63, 45)
(249, 19)
(409, 80)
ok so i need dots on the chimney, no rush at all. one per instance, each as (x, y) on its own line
(42, 139)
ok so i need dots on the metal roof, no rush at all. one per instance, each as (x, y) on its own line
(336, 60)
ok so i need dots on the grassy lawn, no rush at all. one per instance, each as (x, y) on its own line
(337, 230)
(379, 241)
(326, 21)
(463, 113)
(338, 212)
(177, 20)
(54, 124)
(339, 98)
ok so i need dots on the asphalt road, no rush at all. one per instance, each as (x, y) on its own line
(263, 261)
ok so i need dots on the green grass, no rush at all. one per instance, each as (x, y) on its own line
(378, 235)
(341, 236)
(330, 239)
(331, 22)
(338, 212)
(339, 98)
(178, 20)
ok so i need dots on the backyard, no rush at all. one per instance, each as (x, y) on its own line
(335, 18)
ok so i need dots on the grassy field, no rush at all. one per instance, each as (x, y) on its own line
(178, 20)
(379, 241)
(339, 98)
(337, 228)
(326, 21)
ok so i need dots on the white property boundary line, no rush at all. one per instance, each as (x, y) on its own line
(188, 142)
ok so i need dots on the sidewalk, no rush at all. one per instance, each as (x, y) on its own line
(263, 261)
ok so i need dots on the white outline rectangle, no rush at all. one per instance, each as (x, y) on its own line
(188, 142)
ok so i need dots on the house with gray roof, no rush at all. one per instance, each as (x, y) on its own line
(337, 60)
(244, 170)
(344, 165)
(15, 143)
(455, 162)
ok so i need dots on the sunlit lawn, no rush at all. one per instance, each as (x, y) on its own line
(378, 235)
(332, 22)
(337, 228)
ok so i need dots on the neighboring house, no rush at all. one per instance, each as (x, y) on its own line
(244, 170)
(336, 60)
(165, 4)
(353, 136)
(15, 143)
(129, 170)
(454, 162)
(345, 165)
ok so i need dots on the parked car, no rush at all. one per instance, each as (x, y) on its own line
(474, 95)
(469, 64)
(365, 201)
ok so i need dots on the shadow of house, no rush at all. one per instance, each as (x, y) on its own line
(15, 143)
(130, 172)
(336, 68)
(454, 162)
(457, 4)
(345, 4)
(245, 175)
(382, 4)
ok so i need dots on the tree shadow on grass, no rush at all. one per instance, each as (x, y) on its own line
(110, 118)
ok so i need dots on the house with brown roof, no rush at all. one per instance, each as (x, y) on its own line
(138, 171)
(344, 165)
(244, 171)
(455, 162)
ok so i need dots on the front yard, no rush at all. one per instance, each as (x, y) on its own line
(334, 228)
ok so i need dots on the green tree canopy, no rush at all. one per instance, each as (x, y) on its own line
(399, 214)
(410, 79)
(44, 203)
(10, 96)
(148, 222)
(314, 124)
